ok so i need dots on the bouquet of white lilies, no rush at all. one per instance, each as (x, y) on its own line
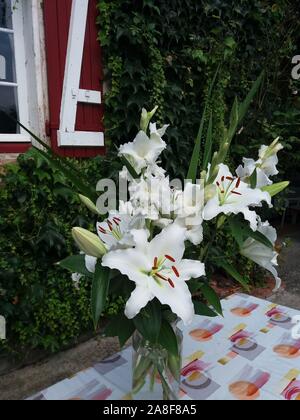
(153, 249)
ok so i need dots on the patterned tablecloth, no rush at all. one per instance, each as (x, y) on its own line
(250, 354)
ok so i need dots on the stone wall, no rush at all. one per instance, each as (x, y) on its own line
(7, 158)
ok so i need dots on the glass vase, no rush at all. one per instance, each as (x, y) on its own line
(156, 372)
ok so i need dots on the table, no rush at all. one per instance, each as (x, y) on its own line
(250, 354)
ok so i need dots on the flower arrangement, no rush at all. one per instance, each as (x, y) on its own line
(153, 248)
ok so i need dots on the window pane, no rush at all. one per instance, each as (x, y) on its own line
(8, 106)
(7, 58)
(5, 14)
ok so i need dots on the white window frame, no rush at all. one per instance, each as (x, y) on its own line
(72, 94)
(21, 84)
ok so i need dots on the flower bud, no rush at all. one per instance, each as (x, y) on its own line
(276, 188)
(89, 204)
(146, 118)
(88, 242)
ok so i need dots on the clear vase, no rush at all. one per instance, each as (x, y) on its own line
(156, 373)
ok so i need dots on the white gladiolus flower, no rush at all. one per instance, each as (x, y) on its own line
(159, 271)
(144, 151)
(188, 205)
(261, 254)
(234, 196)
(151, 196)
(266, 165)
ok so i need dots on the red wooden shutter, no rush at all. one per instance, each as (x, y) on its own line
(57, 15)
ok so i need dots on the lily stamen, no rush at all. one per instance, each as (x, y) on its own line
(176, 272)
(170, 258)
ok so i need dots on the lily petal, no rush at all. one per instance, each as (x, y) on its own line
(137, 301)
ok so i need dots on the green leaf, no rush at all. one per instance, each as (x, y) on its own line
(247, 102)
(204, 310)
(167, 338)
(75, 264)
(234, 120)
(121, 327)
(148, 322)
(99, 294)
(212, 298)
(208, 144)
(253, 179)
(237, 230)
(233, 273)
(195, 160)
(276, 188)
(242, 231)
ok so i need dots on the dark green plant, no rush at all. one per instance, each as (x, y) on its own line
(37, 211)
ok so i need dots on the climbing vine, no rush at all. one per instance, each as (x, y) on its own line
(165, 53)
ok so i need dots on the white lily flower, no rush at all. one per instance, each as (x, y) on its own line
(144, 151)
(159, 271)
(234, 196)
(261, 254)
(188, 205)
(115, 231)
(90, 263)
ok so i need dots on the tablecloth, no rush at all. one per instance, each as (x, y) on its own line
(249, 354)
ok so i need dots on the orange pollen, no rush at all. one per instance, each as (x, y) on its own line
(238, 183)
(235, 192)
(229, 178)
(117, 221)
(223, 178)
(218, 183)
(155, 263)
(102, 230)
(171, 283)
(170, 258)
(176, 272)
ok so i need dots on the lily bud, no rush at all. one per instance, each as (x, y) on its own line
(89, 204)
(88, 242)
(146, 118)
(276, 188)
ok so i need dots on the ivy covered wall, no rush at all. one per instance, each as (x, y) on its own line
(165, 52)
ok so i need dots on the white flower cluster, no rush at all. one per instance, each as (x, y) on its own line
(155, 261)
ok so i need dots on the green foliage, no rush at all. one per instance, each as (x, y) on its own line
(38, 298)
(166, 53)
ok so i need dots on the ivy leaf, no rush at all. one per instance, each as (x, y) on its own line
(149, 320)
(99, 293)
(121, 327)
(75, 264)
(204, 310)
(212, 298)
